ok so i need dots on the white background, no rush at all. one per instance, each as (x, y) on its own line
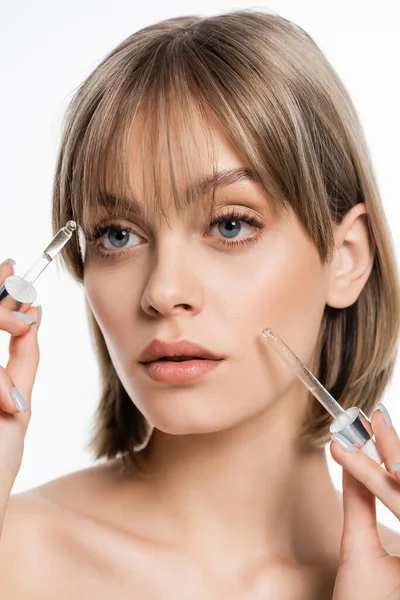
(46, 50)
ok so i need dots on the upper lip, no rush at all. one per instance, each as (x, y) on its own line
(159, 349)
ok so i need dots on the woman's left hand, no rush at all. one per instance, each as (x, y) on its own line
(366, 570)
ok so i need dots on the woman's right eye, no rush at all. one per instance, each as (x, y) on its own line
(117, 237)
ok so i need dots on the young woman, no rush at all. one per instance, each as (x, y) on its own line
(221, 183)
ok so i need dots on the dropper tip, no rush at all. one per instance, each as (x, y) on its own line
(267, 332)
(70, 226)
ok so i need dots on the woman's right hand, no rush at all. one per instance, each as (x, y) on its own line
(19, 373)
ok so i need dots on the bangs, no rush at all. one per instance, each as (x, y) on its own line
(140, 135)
(171, 136)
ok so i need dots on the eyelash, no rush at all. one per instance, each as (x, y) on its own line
(93, 237)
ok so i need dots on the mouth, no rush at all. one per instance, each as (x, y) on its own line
(178, 351)
(179, 369)
(176, 359)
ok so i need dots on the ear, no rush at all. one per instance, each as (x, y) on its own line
(354, 258)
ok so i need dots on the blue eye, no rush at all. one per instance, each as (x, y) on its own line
(232, 227)
(229, 226)
(121, 236)
(232, 223)
(116, 235)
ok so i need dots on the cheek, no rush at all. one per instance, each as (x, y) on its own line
(281, 283)
(112, 302)
(286, 291)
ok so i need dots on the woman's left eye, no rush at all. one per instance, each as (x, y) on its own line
(230, 225)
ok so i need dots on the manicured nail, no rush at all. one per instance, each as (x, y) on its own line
(18, 399)
(10, 261)
(27, 318)
(344, 442)
(396, 467)
(385, 413)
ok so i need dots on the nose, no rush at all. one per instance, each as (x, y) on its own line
(173, 286)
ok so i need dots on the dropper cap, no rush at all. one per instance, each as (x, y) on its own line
(351, 426)
(17, 293)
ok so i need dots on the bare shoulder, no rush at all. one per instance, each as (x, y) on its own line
(24, 547)
(72, 491)
(41, 528)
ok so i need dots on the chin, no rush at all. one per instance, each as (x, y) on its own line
(187, 424)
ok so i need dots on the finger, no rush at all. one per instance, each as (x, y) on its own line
(14, 323)
(360, 533)
(7, 401)
(24, 360)
(6, 269)
(378, 481)
(387, 439)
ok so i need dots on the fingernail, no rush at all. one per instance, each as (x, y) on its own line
(27, 318)
(396, 467)
(40, 315)
(10, 261)
(18, 399)
(385, 413)
(344, 442)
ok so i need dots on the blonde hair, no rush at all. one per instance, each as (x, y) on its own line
(286, 110)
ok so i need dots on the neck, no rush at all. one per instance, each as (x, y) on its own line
(245, 492)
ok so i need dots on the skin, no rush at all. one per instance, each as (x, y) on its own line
(231, 507)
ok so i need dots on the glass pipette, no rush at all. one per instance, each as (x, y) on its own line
(50, 252)
(17, 293)
(346, 422)
(309, 380)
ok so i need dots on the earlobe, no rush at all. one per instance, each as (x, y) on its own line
(354, 258)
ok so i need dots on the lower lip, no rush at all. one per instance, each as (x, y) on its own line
(167, 371)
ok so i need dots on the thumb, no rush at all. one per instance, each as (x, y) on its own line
(360, 536)
(24, 357)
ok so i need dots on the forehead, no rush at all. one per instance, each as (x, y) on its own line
(208, 144)
(171, 165)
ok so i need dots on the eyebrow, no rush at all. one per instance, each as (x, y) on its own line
(220, 179)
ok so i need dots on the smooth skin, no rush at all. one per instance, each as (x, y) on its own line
(57, 525)
(233, 509)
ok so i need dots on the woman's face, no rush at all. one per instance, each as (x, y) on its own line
(184, 281)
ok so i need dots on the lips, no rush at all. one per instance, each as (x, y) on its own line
(184, 349)
(181, 358)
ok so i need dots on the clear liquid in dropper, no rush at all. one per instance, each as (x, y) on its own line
(305, 376)
(50, 252)
(37, 268)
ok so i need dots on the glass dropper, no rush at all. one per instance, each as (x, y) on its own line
(50, 252)
(309, 380)
(346, 422)
(18, 293)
